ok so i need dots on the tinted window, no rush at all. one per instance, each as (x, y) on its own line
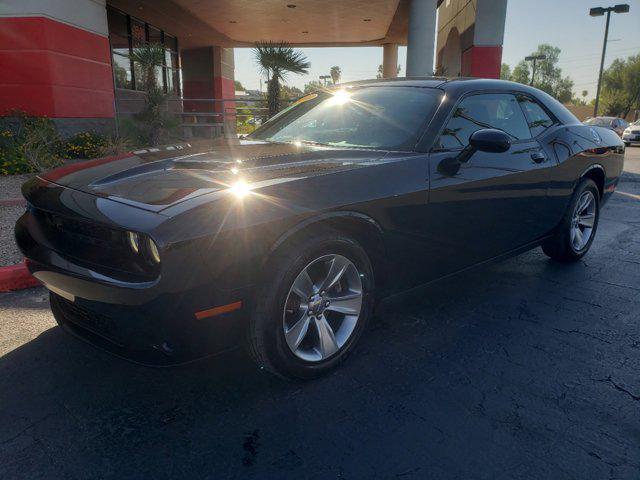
(537, 118)
(476, 112)
(374, 117)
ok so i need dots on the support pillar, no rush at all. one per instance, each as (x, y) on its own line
(390, 60)
(421, 38)
(484, 58)
(57, 62)
(207, 73)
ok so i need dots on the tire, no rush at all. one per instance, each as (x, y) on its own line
(315, 253)
(627, 144)
(565, 247)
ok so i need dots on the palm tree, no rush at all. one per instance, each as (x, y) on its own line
(276, 59)
(154, 121)
(335, 73)
(148, 58)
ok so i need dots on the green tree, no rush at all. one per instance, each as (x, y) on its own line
(148, 58)
(238, 86)
(621, 86)
(548, 75)
(276, 60)
(521, 73)
(381, 70)
(312, 86)
(335, 73)
(154, 121)
(505, 72)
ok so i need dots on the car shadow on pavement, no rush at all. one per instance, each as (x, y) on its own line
(445, 377)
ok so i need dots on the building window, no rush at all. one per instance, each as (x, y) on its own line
(127, 33)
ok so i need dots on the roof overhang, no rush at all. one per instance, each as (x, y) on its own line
(310, 23)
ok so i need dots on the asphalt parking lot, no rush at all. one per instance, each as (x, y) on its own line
(525, 369)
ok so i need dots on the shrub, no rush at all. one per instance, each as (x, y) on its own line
(28, 144)
(85, 145)
(115, 146)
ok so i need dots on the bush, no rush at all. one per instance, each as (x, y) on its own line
(28, 144)
(85, 145)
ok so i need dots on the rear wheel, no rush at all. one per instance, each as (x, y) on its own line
(313, 305)
(576, 232)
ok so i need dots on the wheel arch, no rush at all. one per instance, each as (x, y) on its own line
(596, 173)
(361, 227)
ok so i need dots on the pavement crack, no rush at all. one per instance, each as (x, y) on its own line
(586, 302)
(586, 334)
(620, 388)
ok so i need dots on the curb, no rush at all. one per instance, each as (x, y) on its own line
(16, 277)
(12, 202)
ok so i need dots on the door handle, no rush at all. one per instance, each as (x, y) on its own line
(538, 157)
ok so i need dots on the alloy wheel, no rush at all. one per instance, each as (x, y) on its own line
(583, 221)
(322, 308)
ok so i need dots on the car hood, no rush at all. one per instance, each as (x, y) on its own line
(158, 178)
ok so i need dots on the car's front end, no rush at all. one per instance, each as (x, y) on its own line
(149, 299)
(632, 133)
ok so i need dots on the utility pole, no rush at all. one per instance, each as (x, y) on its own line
(598, 12)
(534, 58)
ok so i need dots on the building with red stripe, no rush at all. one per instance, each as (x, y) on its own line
(68, 59)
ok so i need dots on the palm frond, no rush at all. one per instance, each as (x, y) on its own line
(279, 58)
(149, 55)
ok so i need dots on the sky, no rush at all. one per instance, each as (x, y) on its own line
(562, 23)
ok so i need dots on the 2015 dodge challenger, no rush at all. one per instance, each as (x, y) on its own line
(283, 239)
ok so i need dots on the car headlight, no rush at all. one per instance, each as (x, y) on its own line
(154, 253)
(134, 241)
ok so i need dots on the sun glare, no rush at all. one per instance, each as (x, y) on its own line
(340, 97)
(240, 189)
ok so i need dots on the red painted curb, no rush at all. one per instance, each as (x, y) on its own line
(11, 202)
(16, 277)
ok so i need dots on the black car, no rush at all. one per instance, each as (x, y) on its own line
(284, 240)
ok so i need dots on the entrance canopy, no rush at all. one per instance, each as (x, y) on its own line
(298, 22)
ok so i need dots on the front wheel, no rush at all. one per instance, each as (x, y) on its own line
(576, 232)
(314, 303)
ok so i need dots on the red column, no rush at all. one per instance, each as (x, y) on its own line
(53, 69)
(482, 61)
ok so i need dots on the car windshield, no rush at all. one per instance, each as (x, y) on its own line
(389, 118)
(599, 121)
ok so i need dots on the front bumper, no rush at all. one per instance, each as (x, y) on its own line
(631, 137)
(140, 322)
(153, 335)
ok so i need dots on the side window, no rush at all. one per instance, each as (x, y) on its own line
(496, 110)
(537, 118)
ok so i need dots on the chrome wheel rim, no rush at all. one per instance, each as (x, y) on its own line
(583, 221)
(322, 308)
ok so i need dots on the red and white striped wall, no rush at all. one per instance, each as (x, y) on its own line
(55, 58)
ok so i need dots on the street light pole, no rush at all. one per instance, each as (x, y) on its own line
(604, 52)
(598, 12)
(534, 58)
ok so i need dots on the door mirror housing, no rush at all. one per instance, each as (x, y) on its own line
(490, 140)
(486, 140)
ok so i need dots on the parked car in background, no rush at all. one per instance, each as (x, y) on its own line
(631, 134)
(283, 240)
(613, 123)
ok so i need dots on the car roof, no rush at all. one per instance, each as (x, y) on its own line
(458, 86)
(445, 83)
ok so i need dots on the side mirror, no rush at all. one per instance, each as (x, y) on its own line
(490, 140)
(485, 140)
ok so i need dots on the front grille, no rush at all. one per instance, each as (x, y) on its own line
(83, 232)
(94, 322)
(93, 246)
